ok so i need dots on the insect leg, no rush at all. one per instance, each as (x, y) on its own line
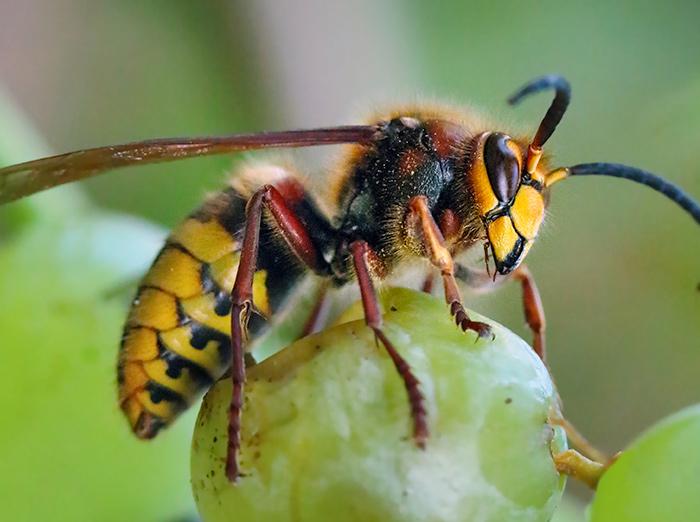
(532, 302)
(298, 239)
(422, 225)
(534, 311)
(373, 317)
(428, 283)
(318, 316)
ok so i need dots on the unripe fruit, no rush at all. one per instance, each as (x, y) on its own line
(326, 428)
(66, 451)
(66, 270)
(656, 479)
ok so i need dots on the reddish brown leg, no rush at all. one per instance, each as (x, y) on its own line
(428, 283)
(300, 242)
(532, 303)
(319, 315)
(360, 252)
(534, 315)
(534, 311)
(424, 229)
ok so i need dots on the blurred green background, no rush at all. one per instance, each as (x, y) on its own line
(617, 264)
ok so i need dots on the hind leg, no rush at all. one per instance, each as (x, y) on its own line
(298, 239)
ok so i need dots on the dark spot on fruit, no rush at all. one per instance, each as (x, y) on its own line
(393, 309)
(216, 439)
(508, 400)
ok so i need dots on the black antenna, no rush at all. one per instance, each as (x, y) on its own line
(562, 97)
(668, 189)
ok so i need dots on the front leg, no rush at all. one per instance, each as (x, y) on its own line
(532, 302)
(423, 229)
(534, 311)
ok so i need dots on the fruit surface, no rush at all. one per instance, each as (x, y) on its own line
(66, 452)
(326, 428)
(657, 477)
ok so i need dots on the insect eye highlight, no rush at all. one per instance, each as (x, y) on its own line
(502, 167)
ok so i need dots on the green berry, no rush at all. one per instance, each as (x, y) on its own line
(66, 451)
(326, 428)
(656, 479)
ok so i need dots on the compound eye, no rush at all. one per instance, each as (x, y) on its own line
(502, 167)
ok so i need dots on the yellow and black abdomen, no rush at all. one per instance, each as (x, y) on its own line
(176, 341)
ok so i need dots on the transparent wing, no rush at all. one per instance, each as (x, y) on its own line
(17, 181)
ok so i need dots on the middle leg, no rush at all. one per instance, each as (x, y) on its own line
(534, 311)
(361, 251)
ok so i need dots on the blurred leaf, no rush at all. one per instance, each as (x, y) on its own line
(19, 142)
(66, 451)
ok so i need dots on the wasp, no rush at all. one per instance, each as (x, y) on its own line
(428, 183)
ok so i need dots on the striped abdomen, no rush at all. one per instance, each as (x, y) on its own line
(176, 341)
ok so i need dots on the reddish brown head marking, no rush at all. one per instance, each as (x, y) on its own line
(410, 161)
(445, 136)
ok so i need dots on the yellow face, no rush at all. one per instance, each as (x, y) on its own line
(509, 199)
